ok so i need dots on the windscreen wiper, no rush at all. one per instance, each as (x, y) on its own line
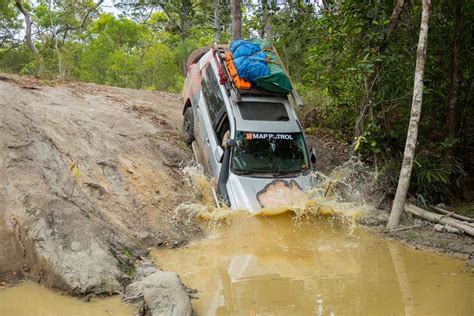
(247, 172)
(244, 172)
(284, 173)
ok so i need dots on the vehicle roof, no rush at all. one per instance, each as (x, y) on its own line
(290, 126)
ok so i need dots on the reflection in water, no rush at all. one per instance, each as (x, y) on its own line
(247, 285)
(31, 299)
(315, 267)
(402, 276)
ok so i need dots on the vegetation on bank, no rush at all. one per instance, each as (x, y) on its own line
(352, 61)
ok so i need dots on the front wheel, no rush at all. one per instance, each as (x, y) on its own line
(188, 126)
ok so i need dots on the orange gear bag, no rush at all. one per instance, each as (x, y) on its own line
(239, 83)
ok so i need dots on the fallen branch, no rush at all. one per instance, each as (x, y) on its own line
(452, 214)
(404, 228)
(132, 298)
(446, 228)
(436, 218)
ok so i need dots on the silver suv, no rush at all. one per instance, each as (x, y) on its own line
(250, 141)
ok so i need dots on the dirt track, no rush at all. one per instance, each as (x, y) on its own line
(84, 234)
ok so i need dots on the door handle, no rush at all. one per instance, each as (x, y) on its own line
(207, 141)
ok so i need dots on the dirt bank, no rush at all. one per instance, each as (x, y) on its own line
(81, 229)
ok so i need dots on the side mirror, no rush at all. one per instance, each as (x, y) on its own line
(313, 155)
(219, 153)
(231, 142)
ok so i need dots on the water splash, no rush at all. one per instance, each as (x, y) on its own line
(203, 207)
(348, 193)
(202, 186)
(356, 182)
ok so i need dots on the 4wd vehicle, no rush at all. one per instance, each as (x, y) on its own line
(249, 140)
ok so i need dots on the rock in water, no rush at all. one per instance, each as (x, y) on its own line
(163, 293)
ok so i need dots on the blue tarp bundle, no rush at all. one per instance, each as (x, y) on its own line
(256, 62)
(250, 61)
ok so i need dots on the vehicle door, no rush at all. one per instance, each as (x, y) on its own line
(196, 79)
(215, 106)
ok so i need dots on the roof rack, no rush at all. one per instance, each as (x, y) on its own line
(220, 51)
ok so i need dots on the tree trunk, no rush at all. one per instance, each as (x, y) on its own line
(452, 118)
(185, 18)
(236, 19)
(372, 79)
(267, 25)
(28, 39)
(264, 25)
(392, 27)
(217, 21)
(407, 163)
(264, 18)
(325, 5)
(61, 73)
(86, 16)
(465, 105)
(162, 6)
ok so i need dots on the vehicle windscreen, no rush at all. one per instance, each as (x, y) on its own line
(273, 153)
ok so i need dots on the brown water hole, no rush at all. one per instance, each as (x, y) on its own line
(315, 266)
(31, 299)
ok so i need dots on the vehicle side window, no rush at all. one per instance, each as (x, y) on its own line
(212, 94)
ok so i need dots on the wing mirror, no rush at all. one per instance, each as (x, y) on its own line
(313, 155)
(231, 142)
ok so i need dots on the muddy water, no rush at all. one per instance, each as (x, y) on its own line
(274, 266)
(32, 299)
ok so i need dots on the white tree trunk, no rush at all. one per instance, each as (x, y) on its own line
(28, 22)
(407, 163)
(236, 19)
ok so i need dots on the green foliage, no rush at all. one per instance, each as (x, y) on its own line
(369, 142)
(109, 49)
(435, 173)
(75, 171)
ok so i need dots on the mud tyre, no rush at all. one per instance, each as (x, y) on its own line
(188, 126)
(196, 55)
